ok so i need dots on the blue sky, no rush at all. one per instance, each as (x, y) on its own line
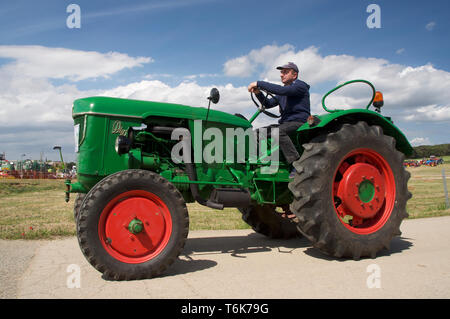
(189, 46)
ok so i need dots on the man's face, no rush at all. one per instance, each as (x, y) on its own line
(288, 76)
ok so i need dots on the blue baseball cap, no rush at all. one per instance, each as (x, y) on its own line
(289, 65)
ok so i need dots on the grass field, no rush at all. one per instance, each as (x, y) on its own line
(426, 185)
(35, 209)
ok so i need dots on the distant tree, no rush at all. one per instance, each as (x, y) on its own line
(428, 150)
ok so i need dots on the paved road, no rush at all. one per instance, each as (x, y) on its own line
(242, 264)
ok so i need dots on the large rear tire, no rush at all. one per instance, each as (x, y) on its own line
(350, 191)
(132, 225)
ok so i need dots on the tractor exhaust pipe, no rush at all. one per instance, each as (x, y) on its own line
(220, 197)
(192, 174)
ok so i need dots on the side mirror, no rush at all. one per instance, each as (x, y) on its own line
(214, 95)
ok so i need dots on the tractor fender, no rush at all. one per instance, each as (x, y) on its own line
(331, 121)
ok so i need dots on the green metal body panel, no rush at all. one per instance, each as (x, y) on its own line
(100, 120)
(306, 132)
(140, 110)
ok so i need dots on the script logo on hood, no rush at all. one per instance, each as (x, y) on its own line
(118, 129)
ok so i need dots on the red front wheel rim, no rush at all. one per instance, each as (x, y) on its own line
(135, 226)
(363, 191)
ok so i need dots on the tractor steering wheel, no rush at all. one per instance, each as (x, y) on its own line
(261, 106)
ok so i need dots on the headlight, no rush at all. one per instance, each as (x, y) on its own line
(122, 145)
(76, 131)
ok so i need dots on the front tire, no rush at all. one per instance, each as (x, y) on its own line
(76, 206)
(350, 191)
(132, 225)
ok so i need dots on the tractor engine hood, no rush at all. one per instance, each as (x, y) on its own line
(116, 107)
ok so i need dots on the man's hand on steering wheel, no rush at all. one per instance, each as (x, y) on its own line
(253, 89)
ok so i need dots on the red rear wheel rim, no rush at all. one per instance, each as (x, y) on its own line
(125, 244)
(363, 191)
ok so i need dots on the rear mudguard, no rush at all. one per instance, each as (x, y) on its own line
(332, 121)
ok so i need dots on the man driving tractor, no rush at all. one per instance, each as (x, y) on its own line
(293, 100)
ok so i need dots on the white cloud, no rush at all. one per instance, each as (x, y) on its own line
(244, 66)
(26, 93)
(34, 108)
(232, 100)
(152, 6)
(35, 111)
(240, 67)
(400, 51)
(157, 75)
(35, 101)
(61, 63)
(201, 76)
(430, 113)
(430, 26)
(420, 141)
(407, 90)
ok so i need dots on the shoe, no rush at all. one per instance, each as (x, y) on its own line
(292, 174)
(288, 215)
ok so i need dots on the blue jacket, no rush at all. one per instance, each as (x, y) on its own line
(293, 100)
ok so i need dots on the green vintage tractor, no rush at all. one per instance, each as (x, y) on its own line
(140, 162)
